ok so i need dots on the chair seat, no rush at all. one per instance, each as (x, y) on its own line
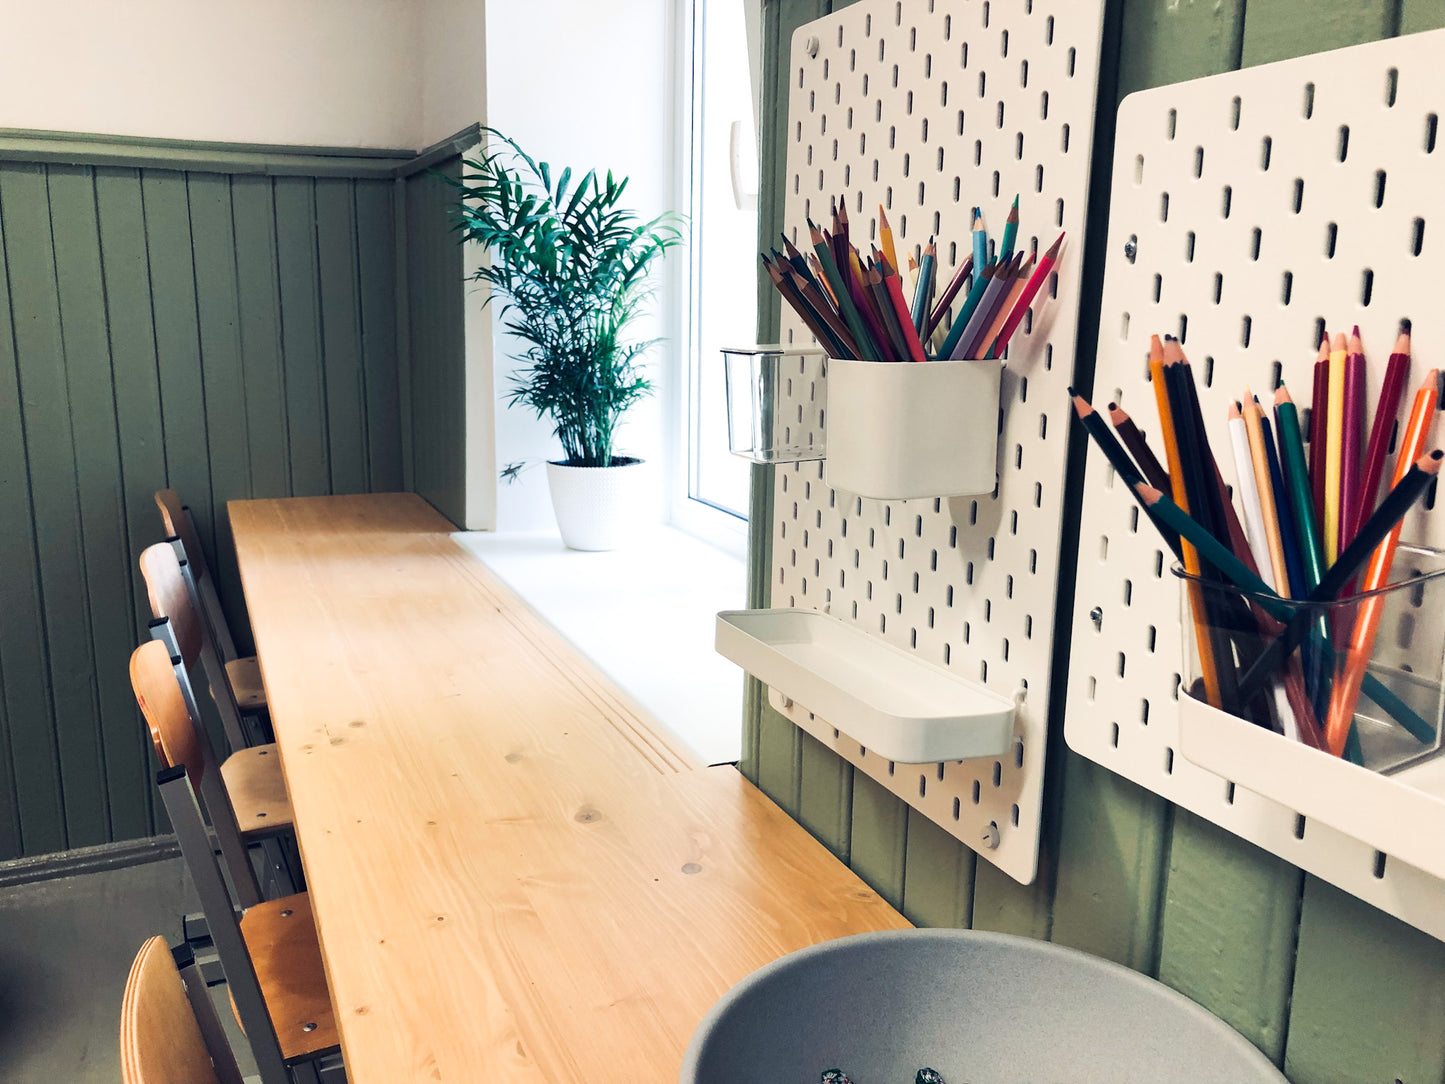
(245, 678)
(280, 935)
(253, 781)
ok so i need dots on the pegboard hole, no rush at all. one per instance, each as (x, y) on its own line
(1158, 286)
(1114, 735)
(1014, 814)
(977, 792)
(1073, 58)
(957, 808)
(1256, 238)
(1049, 31)
(1332, 237)
(1286, 289)
(1227, 202)
(1417, 237)
(1342, 147)
(1198, 162)
(1246, 328)
(1299, 826)
(997, 773)
(1309, 103)
(1229, 794)
(1168, 761)
(1432, 125)
(1171, 126)
(1218, 287)
(1392, 86)
(1379, 869)
(1163, 206)
(1367, 287)
(1144, 712)
(1379, 188)
(1188, 247)
(1235, 108)
(1266, 148)
(1299, 195)
(1138, 169)
(1152, 639)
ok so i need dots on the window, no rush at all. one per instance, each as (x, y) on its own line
(722, 279)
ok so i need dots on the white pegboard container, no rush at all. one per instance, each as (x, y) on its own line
(927, 429)
(1248, 210)
(931, 107)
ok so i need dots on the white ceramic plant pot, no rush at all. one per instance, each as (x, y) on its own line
(597, 508)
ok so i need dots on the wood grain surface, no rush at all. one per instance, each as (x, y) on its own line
(516, 876)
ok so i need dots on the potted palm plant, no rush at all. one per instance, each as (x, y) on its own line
(570, 266)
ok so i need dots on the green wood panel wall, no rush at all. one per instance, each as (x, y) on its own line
(435, 315)
(1328, 987)
(230, 334)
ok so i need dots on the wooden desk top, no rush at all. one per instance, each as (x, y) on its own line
(515, 876)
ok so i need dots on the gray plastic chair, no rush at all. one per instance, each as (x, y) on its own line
(981, 1008)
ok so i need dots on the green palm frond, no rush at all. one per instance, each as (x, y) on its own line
(569, 264)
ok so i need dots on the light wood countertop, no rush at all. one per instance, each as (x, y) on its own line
(516, 876)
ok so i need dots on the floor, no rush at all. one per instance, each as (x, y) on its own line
(66, 947)
(645, 615)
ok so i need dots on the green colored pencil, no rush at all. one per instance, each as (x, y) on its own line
(1010, 232)
(981, 279)
(846, 308)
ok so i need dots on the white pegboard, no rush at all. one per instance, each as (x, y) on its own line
(930, 107)
(1246, 208)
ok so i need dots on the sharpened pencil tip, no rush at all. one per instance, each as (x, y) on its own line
(1113, 406)
(1147, 493)
(1405, 326)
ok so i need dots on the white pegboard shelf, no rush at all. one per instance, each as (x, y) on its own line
(930, 107)
(1247, 210)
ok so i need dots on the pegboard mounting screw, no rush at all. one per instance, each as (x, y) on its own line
(811, 47)
(1096, 615)
(990, 836)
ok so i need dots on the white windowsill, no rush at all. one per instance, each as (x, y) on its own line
(645, 616)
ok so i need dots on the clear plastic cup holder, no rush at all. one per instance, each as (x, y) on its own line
(776, 403)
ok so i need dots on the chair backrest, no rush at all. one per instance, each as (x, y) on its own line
(160, 1039)
(170, 598)
(163, 704)
(179, 525)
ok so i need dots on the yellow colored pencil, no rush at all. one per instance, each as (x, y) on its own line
(885, 238)
(1334, 447)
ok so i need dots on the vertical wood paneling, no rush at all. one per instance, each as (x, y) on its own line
(223, 374)
(1280, 29)
(75, 235)
(202, 330)
(299, 276)
(32, 816)
(938, 873)
(376, 275)
(1228, 929)
(50, 449)
(780, 759)
(1369, 996)
(880, 829)
(341, 333)
(438, 346)
(1112, 849)
(825, 795)
(138, 422)
(1168, 41)
(258, 298)
(1418, 15)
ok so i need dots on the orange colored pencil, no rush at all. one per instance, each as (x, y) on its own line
(1345, 695)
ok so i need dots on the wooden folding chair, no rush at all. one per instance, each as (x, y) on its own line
(243, 673)
(270, 955)
(169, 1031)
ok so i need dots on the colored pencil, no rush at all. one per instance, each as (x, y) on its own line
(1319, 425)
(919, 308)
(980, 240)
(940, 308)
(843, 297)
(1259, 458)
(893, 283)
(885, 238)
(965, 313)
(1284, 511)
(1248, 490)
(997, 289)
(813, 295)
(1005, 307)
(1334, 440)
(1372, 532)
(1346, 692)
(912, 277)
(1297, 476)
(1350, 447)
(883, 304)
(1025, 299)
(1133, 439)
(821, 279)
(1094, 424)
(803, 308)
(882, 349)
(1392, 390)
(1010, 231)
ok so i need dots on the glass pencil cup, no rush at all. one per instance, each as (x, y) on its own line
(776, 403)
(1360, 676)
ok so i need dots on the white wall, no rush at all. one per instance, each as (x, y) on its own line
(585, 84)
(323, 72)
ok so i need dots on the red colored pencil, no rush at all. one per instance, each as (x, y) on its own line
(1350, 447)
(894, 286)
(1319, 419)
(1392, 389)
(1040, 276)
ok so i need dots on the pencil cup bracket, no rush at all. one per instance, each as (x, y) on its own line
(776, 403)
(913, 429)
